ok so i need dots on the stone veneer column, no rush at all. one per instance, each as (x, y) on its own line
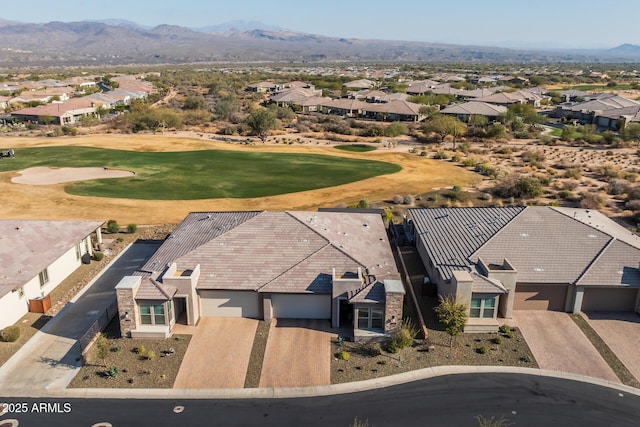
(125, 293)
(394, 305)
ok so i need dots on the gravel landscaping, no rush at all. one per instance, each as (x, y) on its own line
(29, 325)
(134, 370)
(254, 371)
(466, 351)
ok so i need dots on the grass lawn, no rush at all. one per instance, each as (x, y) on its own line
(356, 148)
(597, 87)
(576, 135)
(208, 174)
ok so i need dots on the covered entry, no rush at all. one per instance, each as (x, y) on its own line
(301, 306)
(540, 297)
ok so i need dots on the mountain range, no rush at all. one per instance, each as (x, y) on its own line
(120, 42)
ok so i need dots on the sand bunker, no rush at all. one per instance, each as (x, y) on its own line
(44, 175)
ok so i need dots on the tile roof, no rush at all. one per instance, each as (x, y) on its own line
(545, 246)
(373, 293)
(195, 230)
(617, 265)
(152, 290)
(452, 235)
(477, 108)
(484, 285)
(398, 106)
(29, 246)
(277, 251)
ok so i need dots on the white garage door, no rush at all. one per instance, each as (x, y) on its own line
(230, 304)
(301, 306)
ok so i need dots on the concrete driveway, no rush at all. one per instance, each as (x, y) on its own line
(218, 354)
(621, 332)
(559, 345)
(298, 354)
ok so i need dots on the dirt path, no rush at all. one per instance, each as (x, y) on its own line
(419, 175)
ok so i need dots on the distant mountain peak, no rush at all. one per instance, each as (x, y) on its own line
(238, 25)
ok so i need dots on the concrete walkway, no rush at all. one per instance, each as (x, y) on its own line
(298, 354)
(621, 332)
(558, 344)
(218, 354)
(51, 358)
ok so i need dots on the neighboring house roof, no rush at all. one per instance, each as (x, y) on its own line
(292, 95)
(346, 104)
(545, 245)
(29, 246)
(510, 97)
(603, 103)
(421, 86)
(475, 108)
(312, 101)
(57, 109)
(451, 236)
(360, 84)
(476, 93)
(398, 107)
(293, 252)
(625, 112)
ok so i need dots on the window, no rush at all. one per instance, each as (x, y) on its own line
(78, 254)
(44, 277)
(483, 307)
(152, 314)
(370, 318)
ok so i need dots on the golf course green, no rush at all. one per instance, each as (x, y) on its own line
(191, 175)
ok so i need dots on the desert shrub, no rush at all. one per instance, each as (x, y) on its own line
(510, 334)
(468, 162)
(525, 358)
(398, 199)
(520, 186)
(10, 333)
(120, 239)
(573, 173)
(98, 255)
(566, 195)
(633, 205)
(343, 355)
(132, 228)
(591, 201)
(633, 193)
(532, 157)
(140, 349)
(409, 199)
(373, 350)
(497, 340)
(569, 185)
(610, 171)
(485, 169)
(112, 372)
(113, 226)
(487, 197)
(483, 350)
(504, 329)
(403, 337)
(151, 355)
(440, 155)
(616, 187)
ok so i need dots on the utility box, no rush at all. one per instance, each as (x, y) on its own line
(40, 305)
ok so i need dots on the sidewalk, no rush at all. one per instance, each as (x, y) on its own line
(52, 357)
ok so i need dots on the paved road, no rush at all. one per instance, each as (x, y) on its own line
(453, 400)
(52, 357)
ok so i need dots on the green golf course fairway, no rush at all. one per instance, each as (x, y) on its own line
(191, 175)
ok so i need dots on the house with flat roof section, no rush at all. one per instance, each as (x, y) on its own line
(35, 257)
(496, 260)
(264, 265)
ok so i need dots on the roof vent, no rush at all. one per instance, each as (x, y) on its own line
(592, 236)
(538, 269)
(212, 275)
(524, 234)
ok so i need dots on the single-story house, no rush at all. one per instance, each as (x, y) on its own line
(397, 110)
(66, 113)
(510, 98)
(474, 108)
(35, 257)
(264, 265)
(586, 112)
(500, 259)
(360, 84)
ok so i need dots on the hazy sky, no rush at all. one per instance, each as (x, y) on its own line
(543, 23)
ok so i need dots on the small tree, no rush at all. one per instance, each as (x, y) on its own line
(132, 228)
(452, 315)
(102, 347)
(113, 226)
(261, 121)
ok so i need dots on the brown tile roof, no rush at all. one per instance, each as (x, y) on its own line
(29, 246)
(400, 107)
(373, 293)
(152, 290)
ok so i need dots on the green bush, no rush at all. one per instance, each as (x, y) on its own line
(497, 340)
(10, 333)
(97, 255)
(510, 334)
(526, 358)
(505, 329)
(440, 155)
(132, 228)
(112, 226)
(373, 350)
(403, 337)
(140, 349)
(343, 355)
(112, 372)
(483, 350)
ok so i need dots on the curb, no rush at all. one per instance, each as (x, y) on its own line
(309, 392)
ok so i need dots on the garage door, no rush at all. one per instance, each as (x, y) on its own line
(299, 306)
(599, 299)
(230, 304)
(540, 297)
